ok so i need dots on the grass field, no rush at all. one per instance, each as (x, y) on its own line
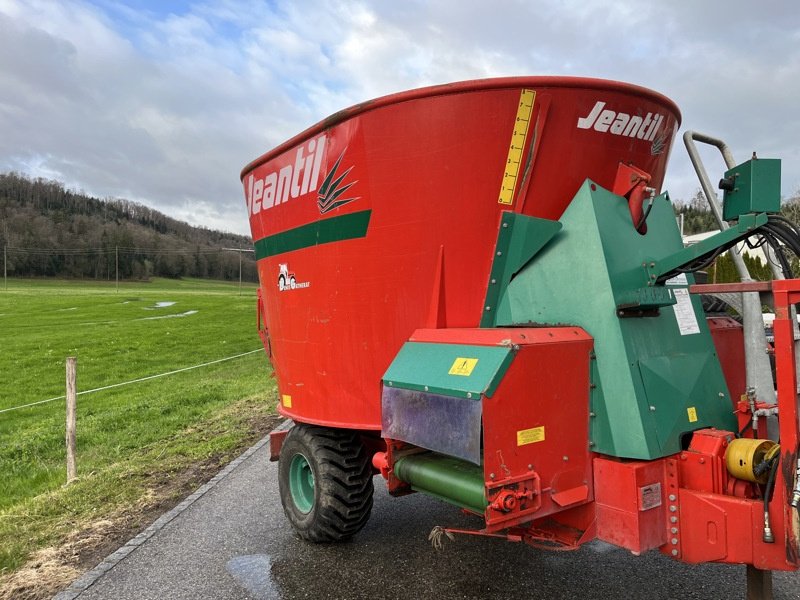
(131, 439)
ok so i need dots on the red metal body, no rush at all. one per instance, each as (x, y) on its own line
(378, 226)
(687, 505)
(539, 464)
(431, 160)
(729, 343)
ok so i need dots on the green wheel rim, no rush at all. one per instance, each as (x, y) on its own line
(301, 483)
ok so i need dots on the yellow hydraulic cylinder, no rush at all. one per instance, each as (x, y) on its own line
(743, 455)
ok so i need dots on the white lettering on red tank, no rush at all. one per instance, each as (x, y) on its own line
(606, 120)
(298, 178)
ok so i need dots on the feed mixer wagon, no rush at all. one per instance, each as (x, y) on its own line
(479, 291)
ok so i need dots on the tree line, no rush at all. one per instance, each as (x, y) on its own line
(50, 231)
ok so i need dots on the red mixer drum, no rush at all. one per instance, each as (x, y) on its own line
(383, 218)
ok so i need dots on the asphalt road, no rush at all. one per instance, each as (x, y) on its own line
(233, 543)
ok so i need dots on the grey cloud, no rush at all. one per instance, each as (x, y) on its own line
(166, 109)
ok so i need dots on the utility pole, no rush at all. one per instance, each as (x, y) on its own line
(116, 264)
(239, 250)
(5, 267)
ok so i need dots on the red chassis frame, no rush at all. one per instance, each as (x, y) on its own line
(704, 514)
(726, 525)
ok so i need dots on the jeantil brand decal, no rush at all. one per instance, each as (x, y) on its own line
(289, 182)
(298, 179)
(605, 120)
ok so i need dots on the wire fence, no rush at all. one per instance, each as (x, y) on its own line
(112, 250)
(132, 381)
(129, 262)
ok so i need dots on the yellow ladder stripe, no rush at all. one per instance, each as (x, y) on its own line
(517, 147)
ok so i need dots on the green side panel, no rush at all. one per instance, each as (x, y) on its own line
(325, 231)
(668, 378)
(756, 188)
(649, 370)
(519, 239)
(460, 370)
(450, 479)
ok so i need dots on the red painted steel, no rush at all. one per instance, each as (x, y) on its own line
(631, 503)
(430, 165)
(713, 516)
(276, 439)
(536, 424)
(786, 293)
(728, 339)
(501, 337)
(746, 286)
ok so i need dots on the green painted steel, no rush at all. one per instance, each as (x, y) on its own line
(333, 229)
(658, 377)
(755, 188)
(450, 479)
(301, 483)
(519, 239)
(460, 370)
(737, 232)
(646, 298)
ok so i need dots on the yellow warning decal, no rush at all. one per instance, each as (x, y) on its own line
(286, 399)
(463, 366)
(530, 436)
(692, 412)
(517, 147)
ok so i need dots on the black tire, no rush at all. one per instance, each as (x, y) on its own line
(714, 306)
(342, 482)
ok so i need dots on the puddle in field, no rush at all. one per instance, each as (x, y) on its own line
(253, 574)
(185, 314)
(159, 305)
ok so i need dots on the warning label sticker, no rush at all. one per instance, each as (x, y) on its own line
(692, 412)
(463, 366)
(649, 496)
(286, 400)
(683, 309)
(530, 436)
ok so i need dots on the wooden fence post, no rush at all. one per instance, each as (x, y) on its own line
(71, 401)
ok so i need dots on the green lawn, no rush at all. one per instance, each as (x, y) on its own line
(130, 438)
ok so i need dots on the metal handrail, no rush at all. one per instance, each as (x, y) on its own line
(757, 366)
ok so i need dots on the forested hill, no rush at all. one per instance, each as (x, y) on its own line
(50, 231)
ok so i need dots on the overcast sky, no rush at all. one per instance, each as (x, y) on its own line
(164, 102)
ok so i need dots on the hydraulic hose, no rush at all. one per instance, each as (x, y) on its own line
(779, 232)
(768, 535)
(770, 462)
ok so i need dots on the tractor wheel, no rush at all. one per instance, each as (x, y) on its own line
(325, 480)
